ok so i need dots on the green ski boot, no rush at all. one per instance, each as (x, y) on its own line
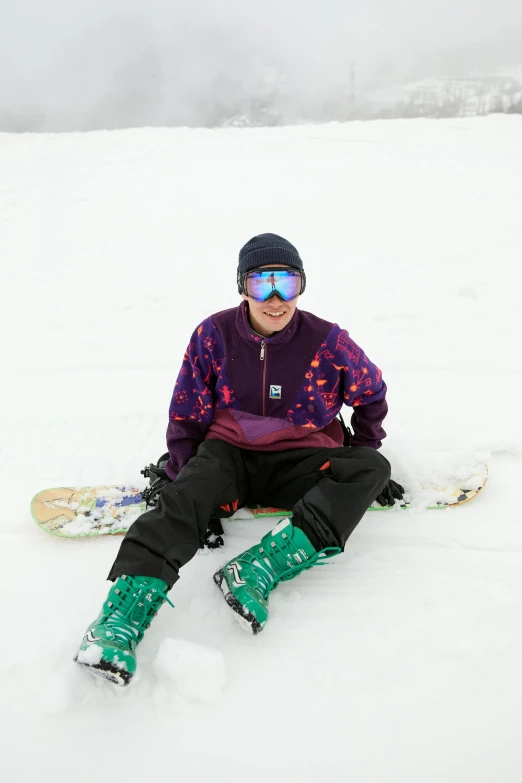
(108, 647)
(247, 580)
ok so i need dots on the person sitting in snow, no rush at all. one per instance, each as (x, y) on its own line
(253, 420)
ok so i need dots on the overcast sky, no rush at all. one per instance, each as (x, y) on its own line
(77, 64)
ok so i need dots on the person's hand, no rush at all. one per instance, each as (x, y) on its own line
(213, 538)
(390, 493)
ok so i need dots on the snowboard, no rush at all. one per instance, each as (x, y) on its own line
(77, 512)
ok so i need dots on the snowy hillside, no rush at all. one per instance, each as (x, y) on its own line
(400, 662)
(469, 96)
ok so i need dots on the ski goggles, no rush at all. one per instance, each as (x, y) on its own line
(261, 284)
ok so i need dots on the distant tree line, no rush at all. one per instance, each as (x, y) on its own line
(271, 100)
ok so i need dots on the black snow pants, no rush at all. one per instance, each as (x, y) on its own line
(328, 491)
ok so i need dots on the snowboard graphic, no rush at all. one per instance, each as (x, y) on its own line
(76, 512)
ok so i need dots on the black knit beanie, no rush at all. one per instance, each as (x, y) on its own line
(268, 249)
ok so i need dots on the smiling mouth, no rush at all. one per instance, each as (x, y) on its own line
(274, 313)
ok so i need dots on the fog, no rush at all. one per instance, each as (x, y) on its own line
(71, 65)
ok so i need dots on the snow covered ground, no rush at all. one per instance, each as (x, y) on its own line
(401, 661)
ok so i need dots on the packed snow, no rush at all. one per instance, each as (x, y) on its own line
(198, 672)
(399, 661)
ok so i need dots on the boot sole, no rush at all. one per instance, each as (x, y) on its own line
(104, 670)
(245, 618)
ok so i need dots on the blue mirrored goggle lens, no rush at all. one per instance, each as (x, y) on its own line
(284, 283)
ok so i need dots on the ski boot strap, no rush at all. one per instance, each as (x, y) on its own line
(316, 560)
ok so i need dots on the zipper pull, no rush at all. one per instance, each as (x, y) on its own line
(262, 355)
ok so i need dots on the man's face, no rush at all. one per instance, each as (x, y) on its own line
(270, 316)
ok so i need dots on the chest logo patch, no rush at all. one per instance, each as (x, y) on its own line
(275, 392)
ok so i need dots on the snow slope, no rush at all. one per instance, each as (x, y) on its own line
(401, 661)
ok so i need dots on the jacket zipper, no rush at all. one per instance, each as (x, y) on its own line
(262, 358)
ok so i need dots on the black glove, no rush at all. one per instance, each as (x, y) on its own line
(390, 493)
(213, 538)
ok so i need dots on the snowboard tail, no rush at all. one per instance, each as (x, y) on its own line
(74, 512)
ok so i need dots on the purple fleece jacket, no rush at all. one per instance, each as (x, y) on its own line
(272, 393)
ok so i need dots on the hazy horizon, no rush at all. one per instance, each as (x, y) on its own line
(72, 66)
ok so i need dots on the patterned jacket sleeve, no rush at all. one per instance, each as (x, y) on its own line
(192, 406)
(365, 392)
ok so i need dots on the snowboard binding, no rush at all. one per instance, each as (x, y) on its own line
(158, 479)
